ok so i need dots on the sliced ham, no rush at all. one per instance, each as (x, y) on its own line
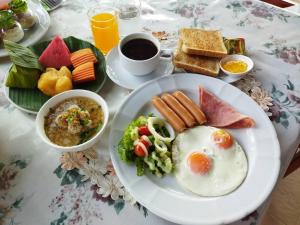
(221, 114)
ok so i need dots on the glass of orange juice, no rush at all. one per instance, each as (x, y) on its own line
(104, 25)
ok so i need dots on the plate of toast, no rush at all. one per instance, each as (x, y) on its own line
(200, 51)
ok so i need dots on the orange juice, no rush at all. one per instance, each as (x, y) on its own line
(105, 31)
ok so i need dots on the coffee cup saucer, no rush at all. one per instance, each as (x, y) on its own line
(123, 78)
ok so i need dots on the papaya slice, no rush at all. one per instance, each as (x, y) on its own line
(84, 73)
(83, 56)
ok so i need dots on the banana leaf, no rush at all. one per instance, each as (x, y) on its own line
(33, 99)
(22, 56)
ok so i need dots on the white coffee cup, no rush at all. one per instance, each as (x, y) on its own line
(140, 67)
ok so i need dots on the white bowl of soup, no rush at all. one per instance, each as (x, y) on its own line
(73, 120)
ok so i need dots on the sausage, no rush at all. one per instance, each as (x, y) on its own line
(179, 109)
(169, 114)
(190, 106)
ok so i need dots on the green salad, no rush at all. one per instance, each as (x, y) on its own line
(18, 6)
(147, 143)
(7, 19)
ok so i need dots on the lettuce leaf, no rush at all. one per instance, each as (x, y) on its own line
(125, 146)
(7, 20)
(18, 6)
(22, 77)
(140, 168)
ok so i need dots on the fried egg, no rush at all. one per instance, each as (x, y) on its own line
(208, 161)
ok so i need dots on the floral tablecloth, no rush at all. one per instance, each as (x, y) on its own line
(40, 186)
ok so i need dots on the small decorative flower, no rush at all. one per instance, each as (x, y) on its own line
(252, 87)
(128, 198)
(289, 55)
(186, 11)
(199, 11)
(71, 160)
(262, 98)
(94, 171)
(294, 97)
(110, 168)
(7, 175)
(94, 188)
(5, 213)
(90, 153)
(160, 35)
(247, 3)
(247, 83)
(275, 109)
(262, 12)
(111, 186)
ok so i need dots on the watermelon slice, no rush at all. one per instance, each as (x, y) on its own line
(56, 54)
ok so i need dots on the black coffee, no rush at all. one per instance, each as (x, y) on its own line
(139, 49)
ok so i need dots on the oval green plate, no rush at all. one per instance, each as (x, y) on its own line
(31, 100)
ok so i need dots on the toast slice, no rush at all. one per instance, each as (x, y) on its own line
(203, 42)
(194, 63)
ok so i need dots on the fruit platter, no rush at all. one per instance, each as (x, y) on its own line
(51, 67)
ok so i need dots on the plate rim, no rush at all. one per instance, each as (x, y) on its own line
(231, 218)
(121, 84)
(3, 52)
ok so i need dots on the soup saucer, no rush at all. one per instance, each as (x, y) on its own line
(123, 78)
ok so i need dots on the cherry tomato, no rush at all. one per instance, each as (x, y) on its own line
(146, 143)
(4, 6)
(138, 150)
(143, 130)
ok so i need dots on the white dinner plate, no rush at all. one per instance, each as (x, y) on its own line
(123, 78)
(163, 196)
(35, 33)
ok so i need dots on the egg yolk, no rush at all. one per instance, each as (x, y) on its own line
(199, 163)
(222, 139)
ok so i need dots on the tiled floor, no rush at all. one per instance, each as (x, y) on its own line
(285, 205)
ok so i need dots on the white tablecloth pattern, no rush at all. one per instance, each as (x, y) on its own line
(34, 189)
